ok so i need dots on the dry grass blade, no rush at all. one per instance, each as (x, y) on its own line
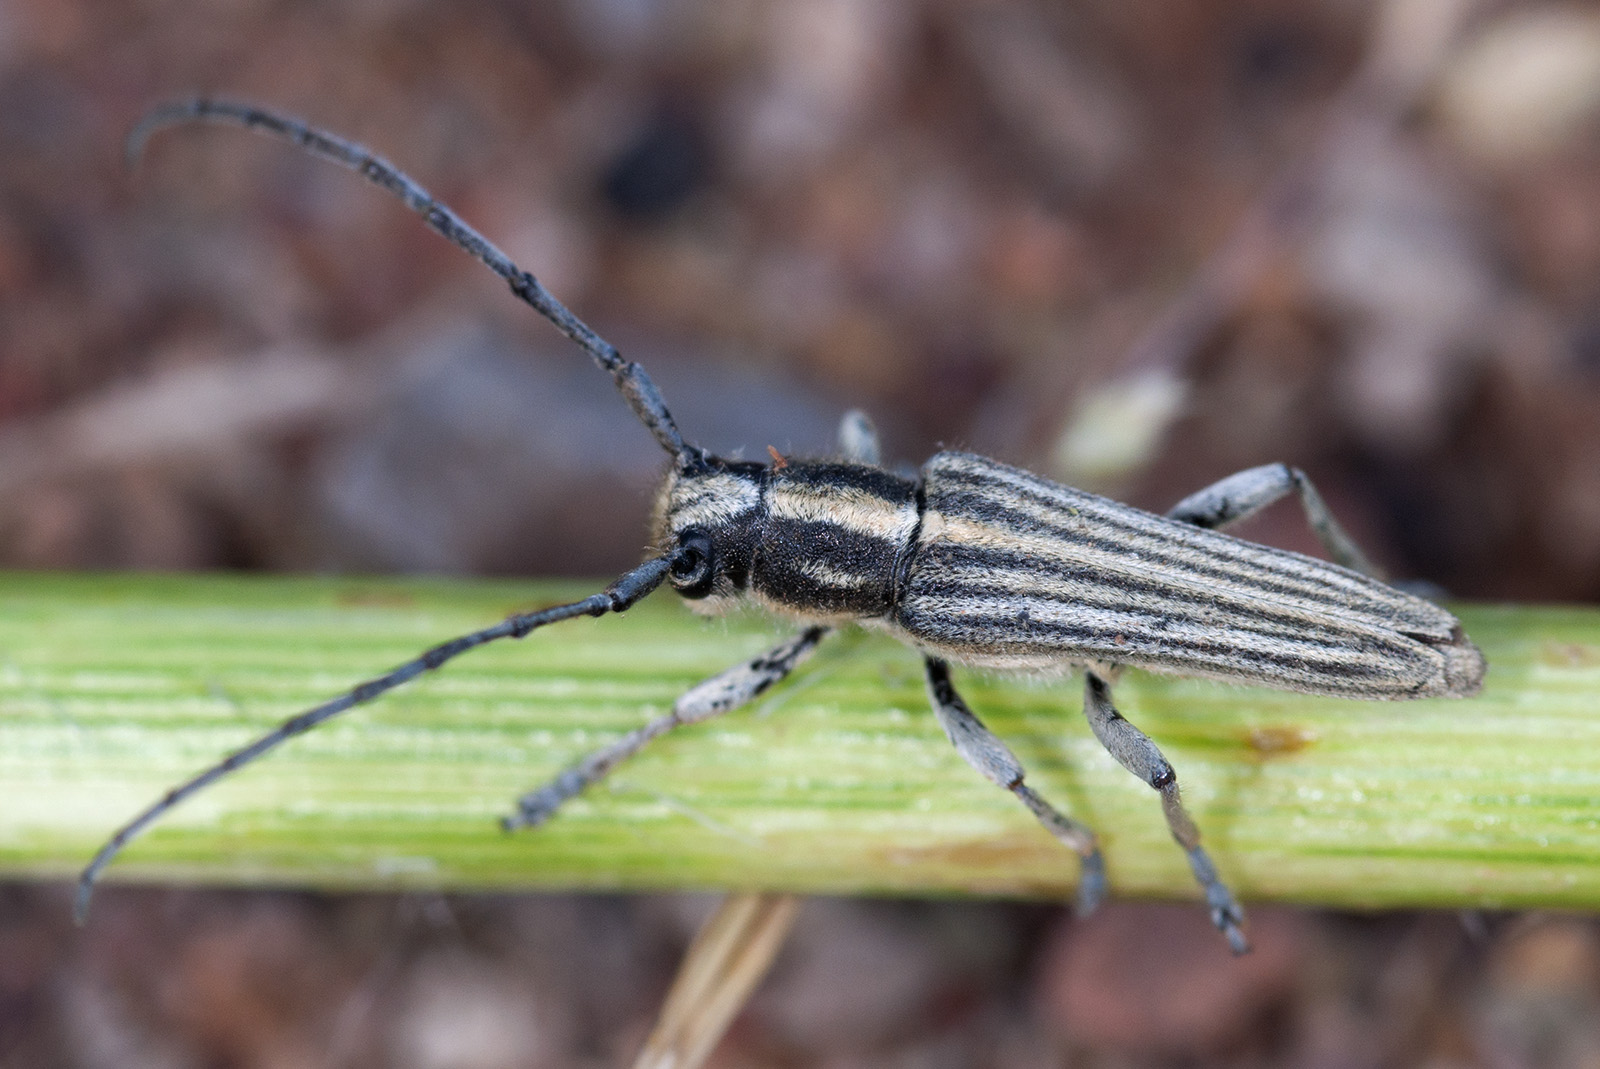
(728, 958)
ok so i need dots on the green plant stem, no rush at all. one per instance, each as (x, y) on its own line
(115, 687)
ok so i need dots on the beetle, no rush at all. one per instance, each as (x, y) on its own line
(969, 561)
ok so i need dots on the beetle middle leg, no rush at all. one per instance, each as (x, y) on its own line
(721, 693)
(1245, 493)
(985, 752)
(1135, 752)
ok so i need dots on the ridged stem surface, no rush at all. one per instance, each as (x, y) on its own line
(115, 687)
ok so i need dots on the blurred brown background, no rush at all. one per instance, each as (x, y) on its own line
(1134, 244)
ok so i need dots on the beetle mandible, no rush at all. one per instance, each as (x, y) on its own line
(970, 561)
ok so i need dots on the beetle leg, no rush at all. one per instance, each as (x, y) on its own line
(1135, 752)
(858, 438)
(986, 753)
(1247, 492)
(721, 693)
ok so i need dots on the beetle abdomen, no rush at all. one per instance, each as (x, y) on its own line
(1014, 571)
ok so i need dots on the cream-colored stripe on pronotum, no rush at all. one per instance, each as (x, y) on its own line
(843, 506)
(710, 500)
(827, 575)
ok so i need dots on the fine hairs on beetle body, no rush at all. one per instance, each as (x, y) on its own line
(970, 562)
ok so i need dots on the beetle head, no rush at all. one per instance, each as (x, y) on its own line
(706, 520)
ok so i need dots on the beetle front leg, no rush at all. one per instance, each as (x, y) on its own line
(1135, 752)
(1245, 493)
(986, 753)
(721, 693)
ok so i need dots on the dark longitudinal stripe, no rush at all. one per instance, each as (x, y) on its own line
(1122, 634)
(833, 475)
(1201, 654)
(1374, 665)
(1136, 627)
(954, 603)
(1282, 666)
(844, 548)
(906, 556)
(1022, 572)
(1128, 628)
(1262, 572)
(1316, 582)
(992, 491)
(825, 567)
(991, 484)
(953, 570)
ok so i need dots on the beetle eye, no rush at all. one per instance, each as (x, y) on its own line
(691, 571)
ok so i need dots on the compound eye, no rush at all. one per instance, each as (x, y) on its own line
(691, 571)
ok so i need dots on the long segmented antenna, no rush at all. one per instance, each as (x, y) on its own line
(631, 379)
(618, 596)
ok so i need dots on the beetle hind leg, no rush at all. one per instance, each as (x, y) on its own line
(986, 753)
(1135, 752)
(1245, 493)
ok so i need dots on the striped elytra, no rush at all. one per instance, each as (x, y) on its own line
(1013, 571)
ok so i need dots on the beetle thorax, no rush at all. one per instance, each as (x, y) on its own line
(823, 541)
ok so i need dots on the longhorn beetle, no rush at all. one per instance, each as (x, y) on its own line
(970, 561)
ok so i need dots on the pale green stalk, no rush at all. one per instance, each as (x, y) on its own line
(115, 687)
